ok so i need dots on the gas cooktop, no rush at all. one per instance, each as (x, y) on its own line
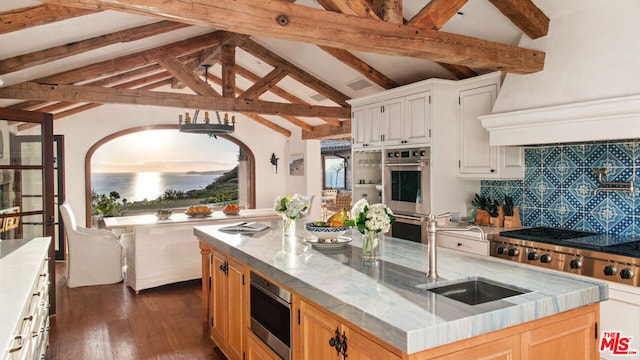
(576, 239)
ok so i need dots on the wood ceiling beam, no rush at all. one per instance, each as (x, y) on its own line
(189, 78)
(436, 13)
(362, 67)
(96, 94)
(26, 17)
(389, 10)
(263, 85)
(228, 63)
(525, 15)
(459, 72)
(139, 59)
(326, 132)
(21, 62)
(294, 72)
(350, 7)
(285, 21)
(284, 94)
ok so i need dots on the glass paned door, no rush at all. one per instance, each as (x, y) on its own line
(26, 180)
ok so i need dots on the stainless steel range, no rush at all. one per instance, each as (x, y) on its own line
(612, 258)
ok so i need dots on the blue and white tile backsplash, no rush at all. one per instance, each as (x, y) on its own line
(559, 183)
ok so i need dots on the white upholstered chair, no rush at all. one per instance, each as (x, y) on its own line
(95, 256)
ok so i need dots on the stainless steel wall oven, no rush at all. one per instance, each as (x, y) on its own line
(271, 315)
(407, 191)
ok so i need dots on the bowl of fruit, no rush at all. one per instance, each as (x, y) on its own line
(333, 228)
(230, 210)
(198, 211)
(163, 214)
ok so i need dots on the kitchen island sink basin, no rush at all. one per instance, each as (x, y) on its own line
(476, 291)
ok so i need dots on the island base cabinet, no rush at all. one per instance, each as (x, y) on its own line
(227, 305)
(255, 349)
(318, 330)
(569, 335)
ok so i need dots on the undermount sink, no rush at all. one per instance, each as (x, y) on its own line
(477, 291)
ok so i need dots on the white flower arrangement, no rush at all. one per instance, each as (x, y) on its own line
(292, 207)
(376, 218)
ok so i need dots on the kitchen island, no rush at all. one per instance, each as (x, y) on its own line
(389, 301)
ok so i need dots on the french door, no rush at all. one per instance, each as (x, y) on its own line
(27, 206)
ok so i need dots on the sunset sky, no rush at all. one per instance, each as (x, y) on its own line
(165, 151)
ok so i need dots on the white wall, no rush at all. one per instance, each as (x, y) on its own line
(83, 130)
(590, 54)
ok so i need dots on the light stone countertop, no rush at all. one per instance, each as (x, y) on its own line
(387, 303)
(18, 274)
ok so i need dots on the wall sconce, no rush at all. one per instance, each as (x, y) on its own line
(274, 161)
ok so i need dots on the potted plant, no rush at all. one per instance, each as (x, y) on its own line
(480, 203)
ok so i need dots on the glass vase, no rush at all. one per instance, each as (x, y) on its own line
(370, 246)
(289, 227)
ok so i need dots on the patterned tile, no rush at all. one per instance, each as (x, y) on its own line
(532, 200)
(595, 155)
(571, 220)
(551, 198)
(553, 177)
(624, 226)
(595, 223)
(620, 155)
(533, 217)
(533, 157)
(573, 177)
(532, 176)
(571, 200)
(552, 157)
(574, 154)
(551, 218)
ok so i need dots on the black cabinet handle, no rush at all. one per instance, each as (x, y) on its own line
(335, 342)
(344, 345)
(224, 267)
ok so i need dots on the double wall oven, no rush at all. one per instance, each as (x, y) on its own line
(407, 191)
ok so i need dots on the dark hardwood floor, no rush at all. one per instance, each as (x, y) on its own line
(111, 322)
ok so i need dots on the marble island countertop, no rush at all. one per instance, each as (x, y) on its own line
(387, 299)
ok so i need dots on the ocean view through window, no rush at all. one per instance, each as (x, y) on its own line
(155, 169)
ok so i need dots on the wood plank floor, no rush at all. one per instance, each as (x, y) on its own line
(111, 322)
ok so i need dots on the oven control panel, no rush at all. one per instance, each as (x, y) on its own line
(407, 155)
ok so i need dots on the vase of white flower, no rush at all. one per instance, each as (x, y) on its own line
(372, 221)
(291, 208)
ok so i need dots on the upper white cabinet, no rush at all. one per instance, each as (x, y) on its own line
(392, 119)
(365, 125)
(476, 158)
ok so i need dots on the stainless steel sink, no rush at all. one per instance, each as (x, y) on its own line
(477, 291)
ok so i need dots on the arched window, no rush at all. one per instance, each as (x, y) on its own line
(159, 167)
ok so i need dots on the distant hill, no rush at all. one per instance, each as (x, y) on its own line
(216, 172)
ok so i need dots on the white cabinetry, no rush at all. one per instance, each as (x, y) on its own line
(476, 158)
(365, 123)
(24, 304)
(621, 313)
(467, 241)
(407, 121)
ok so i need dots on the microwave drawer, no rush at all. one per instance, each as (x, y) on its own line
(463, 243)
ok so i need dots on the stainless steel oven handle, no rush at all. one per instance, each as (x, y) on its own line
(418, 164)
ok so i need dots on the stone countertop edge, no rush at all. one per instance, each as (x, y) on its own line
(416, 324)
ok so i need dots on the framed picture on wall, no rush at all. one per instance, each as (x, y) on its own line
(296, 165)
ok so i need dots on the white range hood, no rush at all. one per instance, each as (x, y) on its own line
(589, 88)
(609, 119)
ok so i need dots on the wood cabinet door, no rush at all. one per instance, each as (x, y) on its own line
(316, 328)
(362, 347)
(501, 349)
(575, 336)
(218, 298)
(235, 307)
(256, 350)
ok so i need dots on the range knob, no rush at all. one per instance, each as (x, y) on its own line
(532, 256)
(500, 250)
(423, 153)
(626, 273)
(513, 252)
(575, 264)
(610, 270)
(545, 259)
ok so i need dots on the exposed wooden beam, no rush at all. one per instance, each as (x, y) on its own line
(525, 15)
(460, 72)
(228, 63)
(259, 119)
(389, 10)
(349, 7)
(294, 72)
(180, 71)
(263, 85)
(140, 59)
(26, 17)
(362, 67)
(303, 125)
(59, 52)
(285, 21)
(96, 94)
(325, 132)
(283, 94)
(436, 13)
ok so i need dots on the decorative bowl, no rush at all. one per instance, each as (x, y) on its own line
(163, 214)
(326, 232)
(231, 212)
(198, 211)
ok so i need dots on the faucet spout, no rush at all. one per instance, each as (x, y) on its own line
(432, 238)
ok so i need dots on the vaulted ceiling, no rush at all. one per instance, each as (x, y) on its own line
(281, 63)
